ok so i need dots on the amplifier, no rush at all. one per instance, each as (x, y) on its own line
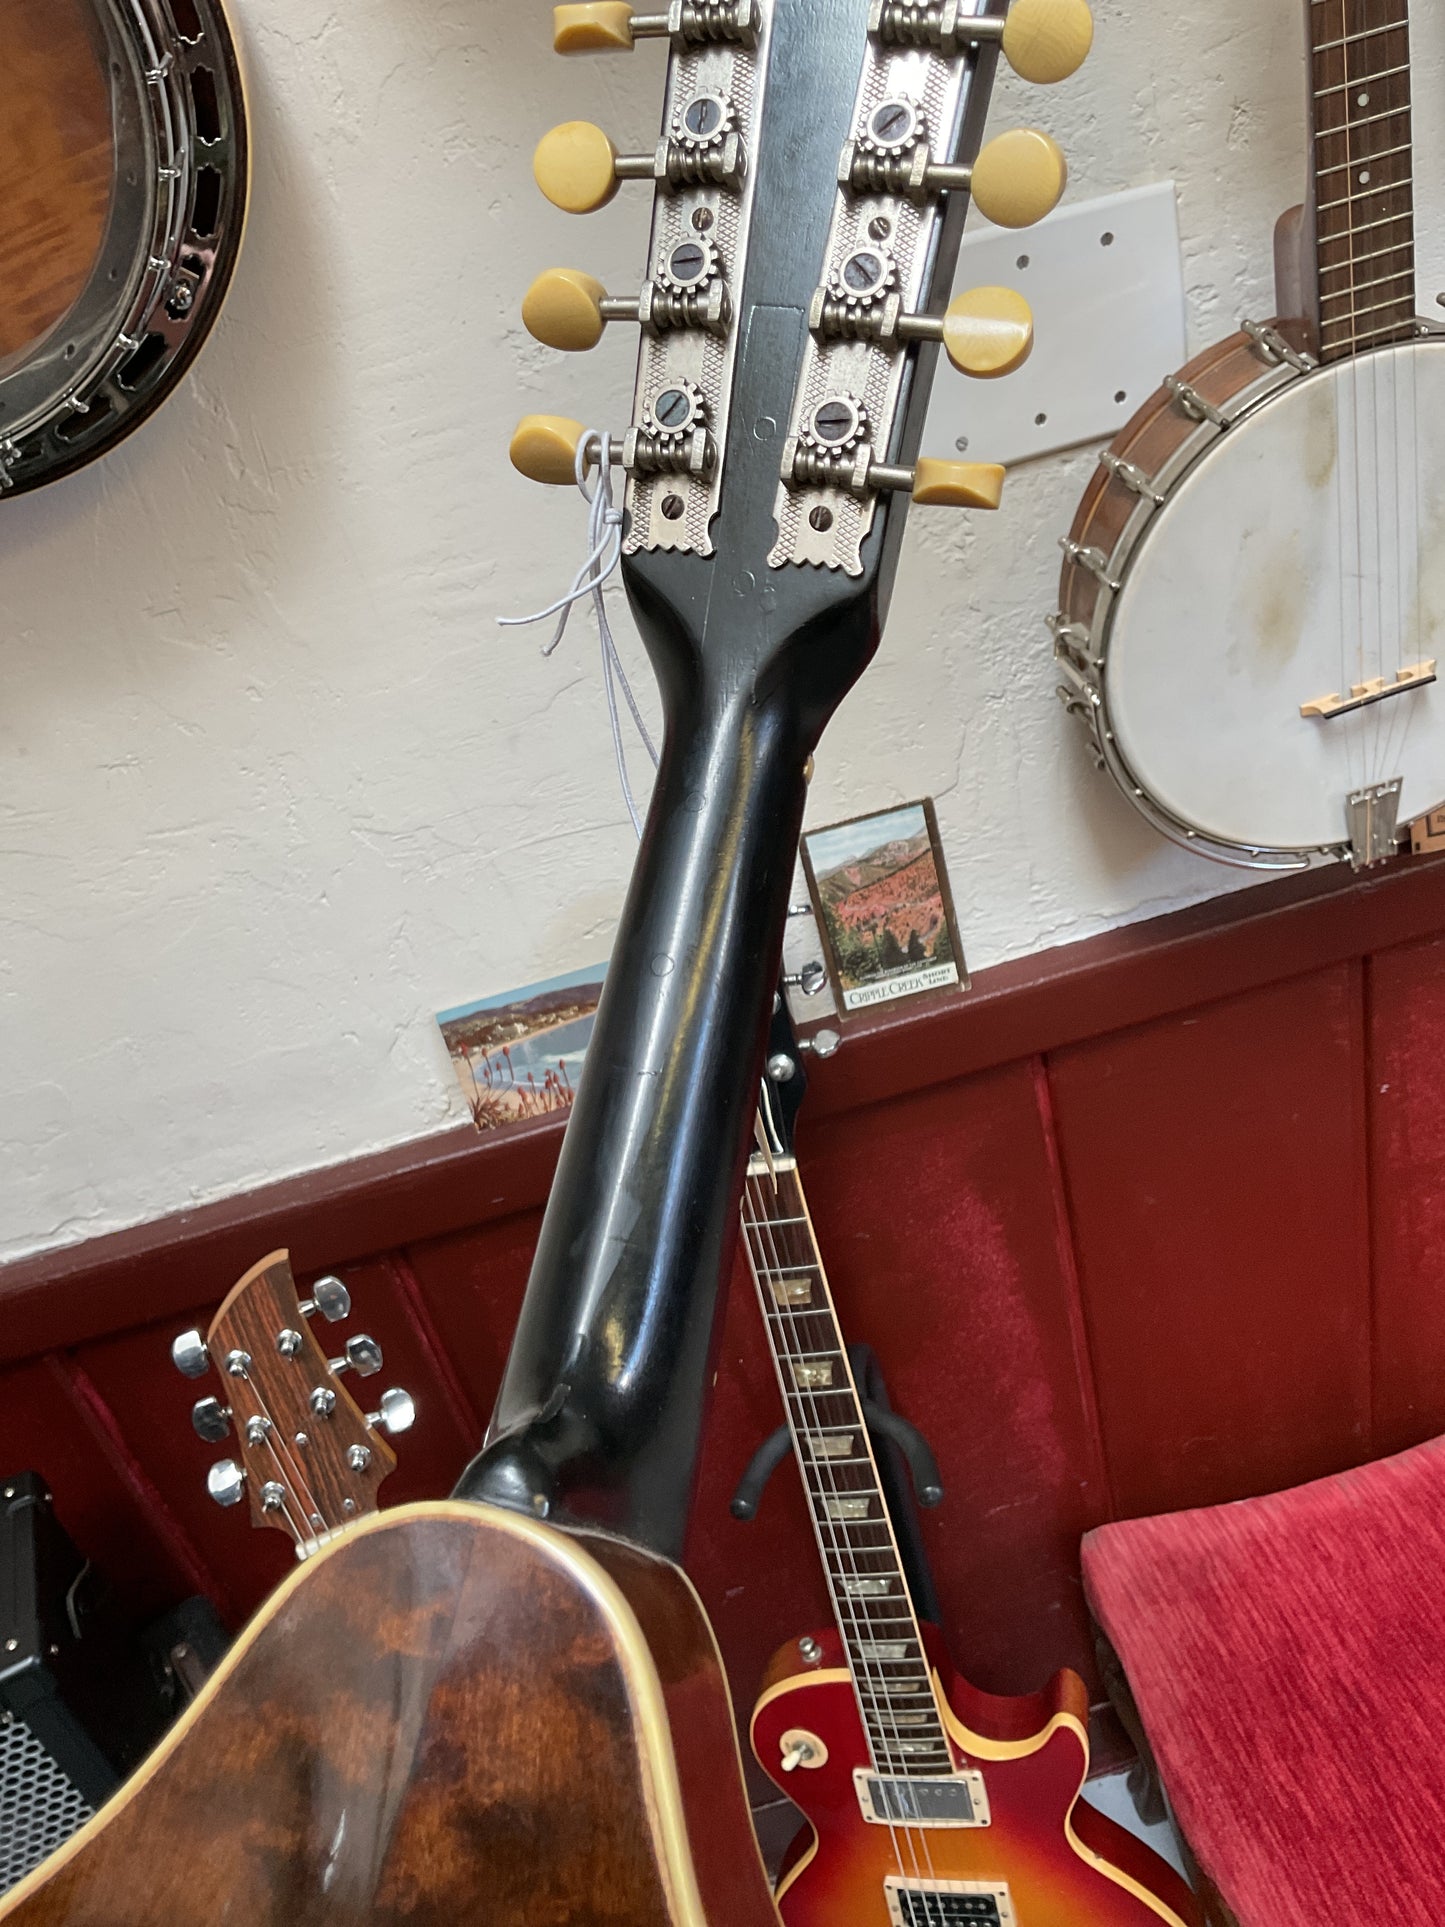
(83, 1693)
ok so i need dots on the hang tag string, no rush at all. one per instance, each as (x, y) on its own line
(604, 552)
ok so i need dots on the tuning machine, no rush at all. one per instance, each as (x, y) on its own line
(673, 439)
(1042, 40)
(579, 169)
(1017, 179)
(985, 333)
(330, 1297)
(610, 26)
(361, 1355)
(189, 1355)
(567, 309)
(833, 450)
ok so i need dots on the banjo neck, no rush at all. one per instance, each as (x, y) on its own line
(1361, 185)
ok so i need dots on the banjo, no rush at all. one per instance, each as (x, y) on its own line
(1253, 596)
(123, 185)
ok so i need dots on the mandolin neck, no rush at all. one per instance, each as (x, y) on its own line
(1362, 193)
(871, 1604)
(600, 1409)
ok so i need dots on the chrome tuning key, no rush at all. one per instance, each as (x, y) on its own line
(395, 1413)
(362, 1355)
(330, 1297)
(211, 1419)
(226, 1481)
(189, 1355)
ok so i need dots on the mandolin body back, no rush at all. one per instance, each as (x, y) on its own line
(450, 1715)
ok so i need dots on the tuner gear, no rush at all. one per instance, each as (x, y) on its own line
(688, 265)
(836, 425)
(894, 126)
(674, 412)
(703, 122)
(863, 277)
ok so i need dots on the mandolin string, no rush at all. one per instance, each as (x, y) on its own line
(295, 1478)
(824, 1529)
(848, 1613)
(1408, 485)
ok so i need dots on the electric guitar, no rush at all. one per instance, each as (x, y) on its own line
(927, 1801)
(461, 1711)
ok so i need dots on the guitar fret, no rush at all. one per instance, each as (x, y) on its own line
(1386, 154)
(1359, 80)
(1366, 193)
(1373, 307)
(1357, 39)
(1363, 287)
(1368, 120)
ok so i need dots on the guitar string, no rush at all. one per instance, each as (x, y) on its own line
(879, 1680)
(850, 1615)
(1340, 417)
(1406, 432)
(265, 1414)
(296, 1478)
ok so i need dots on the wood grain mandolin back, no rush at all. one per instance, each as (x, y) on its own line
(449, 1715)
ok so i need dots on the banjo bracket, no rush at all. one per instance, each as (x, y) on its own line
(1093, 560)
(1274, 348)
(1195, 406)
(1133, 478)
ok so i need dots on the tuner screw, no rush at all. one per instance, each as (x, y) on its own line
(675, 411)
(396, 1413)
(273, 1496)
(822, 1043)
(238, 1363)
(703, 122)
(836, 425)
(288, 1342)
(863, 277)
(895, 126)
(330, 1297)
(809, 1649)
(225, 1482)
(211, 1419)
(189, 1355)
(358, 1457)
(688, 264)
(323, 1401)
(362, 1356)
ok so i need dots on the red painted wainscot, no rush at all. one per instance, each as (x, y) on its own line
(1151, 1221)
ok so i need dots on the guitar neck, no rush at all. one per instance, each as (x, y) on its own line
(1362, 180)
(871, 1603)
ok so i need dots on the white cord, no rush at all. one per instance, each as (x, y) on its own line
(604, 552)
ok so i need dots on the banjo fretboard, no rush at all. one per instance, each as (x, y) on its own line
(1364, 207)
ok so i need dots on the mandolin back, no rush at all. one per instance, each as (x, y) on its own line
(451, 1714)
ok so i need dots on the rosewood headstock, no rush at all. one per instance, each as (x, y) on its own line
(310, 1461)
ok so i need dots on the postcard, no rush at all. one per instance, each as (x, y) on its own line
(881, 895)
(520, 1054)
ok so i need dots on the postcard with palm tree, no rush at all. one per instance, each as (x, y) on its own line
(519, 1054)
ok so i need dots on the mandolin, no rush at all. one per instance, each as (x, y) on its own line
(927, 1801)
(1251, 607)
(406, 1734)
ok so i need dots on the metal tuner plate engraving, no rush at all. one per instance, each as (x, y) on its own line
(908, 114)
(704, 177)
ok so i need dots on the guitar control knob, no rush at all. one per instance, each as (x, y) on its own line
(226, 1482)
(211, 1419)
(1047, 40)
(1018, 178)
(396, 1413)
(330, 1297)
(189, 1355)
(578, 168)
(986, 332)
(362, 1356)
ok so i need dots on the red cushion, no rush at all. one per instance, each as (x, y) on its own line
(1288, 1659)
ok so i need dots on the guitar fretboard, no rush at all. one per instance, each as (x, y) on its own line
(870, 1596)
(1364, 202)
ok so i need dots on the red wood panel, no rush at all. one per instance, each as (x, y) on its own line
(939, 1220)
(1407, 1183)
(1213, 1165)
(472, 1284)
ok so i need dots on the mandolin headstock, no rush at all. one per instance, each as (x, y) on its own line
(309, 1460)
(809, 186)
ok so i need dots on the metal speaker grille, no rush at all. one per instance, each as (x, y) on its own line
(39, 1807)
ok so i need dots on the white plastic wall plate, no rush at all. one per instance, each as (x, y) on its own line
(1105, 279)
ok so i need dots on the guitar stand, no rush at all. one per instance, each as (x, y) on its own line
(893, 1437)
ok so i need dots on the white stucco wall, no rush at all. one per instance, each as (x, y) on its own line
(274, 788)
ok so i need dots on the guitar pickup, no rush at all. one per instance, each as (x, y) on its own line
(960, 1800)
(1362, 694)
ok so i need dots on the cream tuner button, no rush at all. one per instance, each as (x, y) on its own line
(1019, 177)
(598, 27)
(563, 309)
(988, 332)
(957, 485)
(544, 449)
(576, 167)
(1043, 40)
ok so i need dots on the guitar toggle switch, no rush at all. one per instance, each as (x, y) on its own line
(579, 169)
(610, 26)
(567, 309)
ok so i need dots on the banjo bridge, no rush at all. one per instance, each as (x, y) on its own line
(1362, 694)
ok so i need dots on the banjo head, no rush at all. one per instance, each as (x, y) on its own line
(123, 177)
(1298, 561)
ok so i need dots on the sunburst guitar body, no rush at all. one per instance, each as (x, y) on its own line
(1045, 1858)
